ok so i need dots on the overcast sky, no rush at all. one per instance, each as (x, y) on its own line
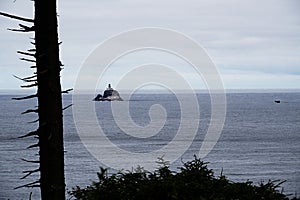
(254, 43)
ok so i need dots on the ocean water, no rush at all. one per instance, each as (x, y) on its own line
(259, 141)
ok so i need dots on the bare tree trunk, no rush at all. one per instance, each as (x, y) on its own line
(49, 101)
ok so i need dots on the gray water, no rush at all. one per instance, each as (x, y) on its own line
(260, 139)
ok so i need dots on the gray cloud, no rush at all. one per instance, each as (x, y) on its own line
(259, 38)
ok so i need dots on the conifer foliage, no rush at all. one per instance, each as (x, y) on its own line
(194, 181)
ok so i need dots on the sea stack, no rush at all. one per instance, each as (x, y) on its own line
(109, 95)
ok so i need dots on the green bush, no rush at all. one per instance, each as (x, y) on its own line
(194, 181)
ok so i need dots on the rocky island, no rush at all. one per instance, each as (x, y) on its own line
(109, 95)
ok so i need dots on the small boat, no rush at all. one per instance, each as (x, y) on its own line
(277, 101)
(109, 95)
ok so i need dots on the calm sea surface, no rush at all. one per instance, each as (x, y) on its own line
(260, 139)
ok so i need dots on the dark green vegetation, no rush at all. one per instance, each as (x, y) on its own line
(193, 181)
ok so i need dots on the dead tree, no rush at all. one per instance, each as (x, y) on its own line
(49, 100)
(45, 56)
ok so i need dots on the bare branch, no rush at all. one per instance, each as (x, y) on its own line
(67, 106)
(31, 50)
(32, 184)
(36, 185)
(30, 161)
(27, 28)
(34, 121)
(33, 146)
(30, 111)
(26, 79)
(16, 17)
(31, 85)
(66, 91)
(29, 172)
(16, 30)
(25, 53)
(27, 97)
(29, 77)
(23, 28)
(32, 133)
(28, 60)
